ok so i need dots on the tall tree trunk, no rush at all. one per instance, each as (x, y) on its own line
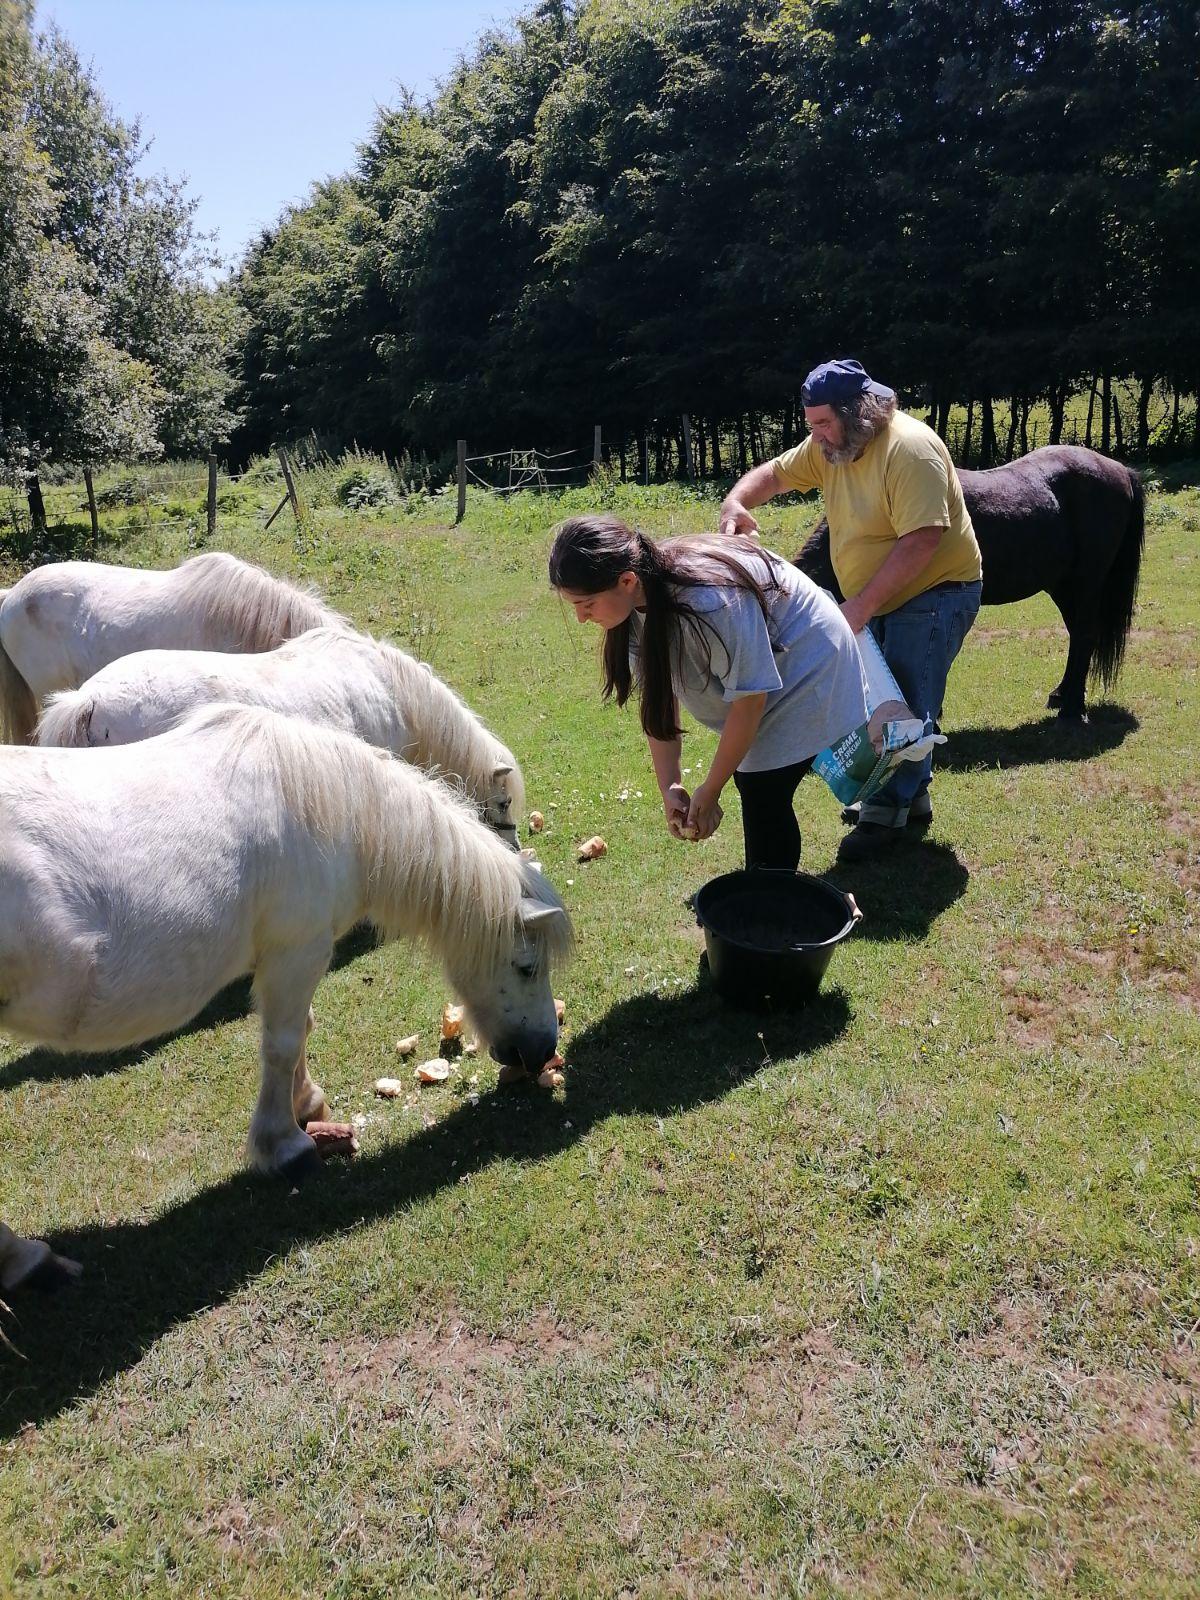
(1143, 415)
(1010, 448)
(1174, 434)
(966, 444)
(1196, 427)
(660, 458)
(1058, 408)
(1118, 430)
(1024, 425)
(716, 447)
(1106, 414)
(987, 431)
(741, 439)
(1087, 436)
(701, 450)
(644, 457)
(622, 458)
(37, 506)
(91, 494)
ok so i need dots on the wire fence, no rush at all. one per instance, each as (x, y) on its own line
(508, 471)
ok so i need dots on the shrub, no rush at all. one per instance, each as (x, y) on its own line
(130, 490)
(361, 487)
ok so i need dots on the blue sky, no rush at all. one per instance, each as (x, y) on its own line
(254, 100)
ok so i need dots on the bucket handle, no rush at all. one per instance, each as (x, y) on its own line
(856, 915)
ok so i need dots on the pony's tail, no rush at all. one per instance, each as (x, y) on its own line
(66, 719)
(1119, 593)
(18, 705)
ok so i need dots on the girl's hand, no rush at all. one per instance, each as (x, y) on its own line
(704, 813)
(676, 801)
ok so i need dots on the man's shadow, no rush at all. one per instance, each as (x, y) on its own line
(1049, 738)
(901, 894)
(650, 1054)
(42, 1065)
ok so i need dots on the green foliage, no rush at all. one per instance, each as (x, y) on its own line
(111, 347)
(628, 209)
(361, 488)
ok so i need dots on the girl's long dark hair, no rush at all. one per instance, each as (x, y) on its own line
(589, 554)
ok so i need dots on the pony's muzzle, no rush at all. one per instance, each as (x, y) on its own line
(531, 1051)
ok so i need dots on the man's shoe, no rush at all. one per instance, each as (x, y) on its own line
(868, 840)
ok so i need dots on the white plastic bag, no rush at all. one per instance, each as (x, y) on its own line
(864, 759)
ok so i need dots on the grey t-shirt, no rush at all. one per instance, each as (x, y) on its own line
(804, 657)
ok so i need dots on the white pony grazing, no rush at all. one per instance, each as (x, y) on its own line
(60, 623)
(136, 882)
(331, 676)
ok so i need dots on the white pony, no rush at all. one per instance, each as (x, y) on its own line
(136, 882)
(331, 676)
(60, 623)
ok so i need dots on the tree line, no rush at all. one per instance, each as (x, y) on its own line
(628, 212)
(112, 345)
(621, 211)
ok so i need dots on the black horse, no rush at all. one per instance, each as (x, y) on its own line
(1063, 520)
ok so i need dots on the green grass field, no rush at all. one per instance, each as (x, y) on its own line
(896, 1296)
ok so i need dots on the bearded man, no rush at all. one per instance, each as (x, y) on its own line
(903, 549)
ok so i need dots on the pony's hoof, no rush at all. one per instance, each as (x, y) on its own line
(1076, 717)
(53, 1274)
(1054, 700)
(303, 1168)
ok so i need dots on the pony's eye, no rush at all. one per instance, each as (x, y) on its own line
(526, 969)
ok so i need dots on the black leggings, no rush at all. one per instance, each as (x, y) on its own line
(768, 821)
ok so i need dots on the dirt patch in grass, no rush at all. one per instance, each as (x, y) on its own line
(787, 1390)
(452, 1352)
(1017, 1334)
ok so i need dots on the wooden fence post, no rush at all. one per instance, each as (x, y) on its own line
(597, 447)
(91, 493)
(462, 482)
(291, 486)
(212, 496)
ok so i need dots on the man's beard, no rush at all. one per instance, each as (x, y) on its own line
(840, 456)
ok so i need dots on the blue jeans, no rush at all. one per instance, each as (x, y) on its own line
(920, 640)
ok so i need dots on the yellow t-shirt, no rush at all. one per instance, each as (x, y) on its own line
(903, 480)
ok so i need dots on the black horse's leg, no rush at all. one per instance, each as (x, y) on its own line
(1080, 618)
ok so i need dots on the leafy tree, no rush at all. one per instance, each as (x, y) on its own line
(112, 345)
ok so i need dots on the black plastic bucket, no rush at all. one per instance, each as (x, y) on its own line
(770, 933)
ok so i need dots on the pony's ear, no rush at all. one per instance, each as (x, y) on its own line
(535, 916)
(500, 772)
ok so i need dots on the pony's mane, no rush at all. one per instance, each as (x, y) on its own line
(448, 737)
(434, 871)
(260, 610)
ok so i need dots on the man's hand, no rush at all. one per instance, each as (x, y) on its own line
(704, 813)
(735, 520)
(856, 614)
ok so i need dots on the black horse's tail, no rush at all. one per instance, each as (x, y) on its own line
(1120, 591)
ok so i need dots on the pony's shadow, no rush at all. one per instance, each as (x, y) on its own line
(235, 1001)
(1048, 738)
(649, 1055)
(903, 893)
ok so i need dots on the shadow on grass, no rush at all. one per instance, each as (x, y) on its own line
(903, 893)
(41, 1065)
(1033, 743)
(141, 1280)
